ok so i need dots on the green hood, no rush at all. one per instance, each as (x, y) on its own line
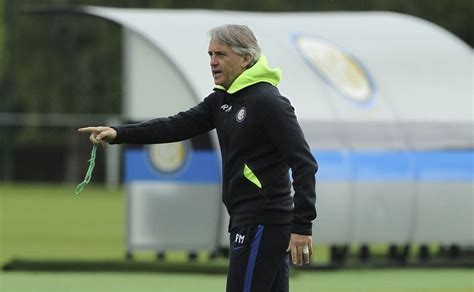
(260, 72)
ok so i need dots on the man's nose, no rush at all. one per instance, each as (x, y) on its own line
(214, 61)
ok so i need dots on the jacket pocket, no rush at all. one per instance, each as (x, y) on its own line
(250, 175)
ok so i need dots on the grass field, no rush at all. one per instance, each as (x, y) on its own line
(50, 223)
(342, 281)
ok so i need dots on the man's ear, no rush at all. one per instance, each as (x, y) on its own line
(246, 61)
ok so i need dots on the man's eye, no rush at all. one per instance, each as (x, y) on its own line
(218, 54)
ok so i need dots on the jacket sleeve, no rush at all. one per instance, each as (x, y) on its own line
(282, 126)
(181, 126)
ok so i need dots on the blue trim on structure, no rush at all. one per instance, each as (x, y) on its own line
(358, 166)
(443, 165)
(202, 167)
(254, 246)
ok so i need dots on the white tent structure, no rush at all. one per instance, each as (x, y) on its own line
(384, 99)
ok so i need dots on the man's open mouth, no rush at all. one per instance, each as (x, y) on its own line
(216, 73)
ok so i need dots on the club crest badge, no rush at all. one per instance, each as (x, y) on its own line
(241, 115)
(168, 158)
(337, 68)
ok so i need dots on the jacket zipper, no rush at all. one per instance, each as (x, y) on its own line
(224, 129)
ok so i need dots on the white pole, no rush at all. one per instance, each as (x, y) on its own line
(112, 161)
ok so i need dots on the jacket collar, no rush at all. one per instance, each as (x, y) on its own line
(260, 72)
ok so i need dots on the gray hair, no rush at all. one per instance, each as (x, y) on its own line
(239, 37)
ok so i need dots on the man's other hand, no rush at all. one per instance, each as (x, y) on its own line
(301, 247)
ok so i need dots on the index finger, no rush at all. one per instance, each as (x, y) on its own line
(88, 130)
(293, 255)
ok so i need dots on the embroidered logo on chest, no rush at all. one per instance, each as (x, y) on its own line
(240, 116)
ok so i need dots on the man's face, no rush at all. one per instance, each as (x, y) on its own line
(226, 65)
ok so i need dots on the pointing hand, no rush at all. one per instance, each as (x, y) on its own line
(100, 135)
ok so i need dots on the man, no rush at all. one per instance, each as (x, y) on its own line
(260, 139)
